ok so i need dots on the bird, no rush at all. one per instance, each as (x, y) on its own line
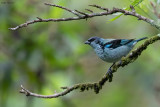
(112, 50)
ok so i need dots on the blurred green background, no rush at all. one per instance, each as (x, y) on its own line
(45, 56)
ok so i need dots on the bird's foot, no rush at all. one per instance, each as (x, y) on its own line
(120, 62)
(110, 74)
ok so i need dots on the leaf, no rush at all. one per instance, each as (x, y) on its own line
(115, 18)
(134, 4)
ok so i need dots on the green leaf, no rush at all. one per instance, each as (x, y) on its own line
(115, 18)
(134, 4)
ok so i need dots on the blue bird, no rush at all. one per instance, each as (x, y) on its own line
(112, 50)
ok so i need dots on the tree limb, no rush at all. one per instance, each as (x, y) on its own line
(73, 12)
(97, 86)
(82, 15)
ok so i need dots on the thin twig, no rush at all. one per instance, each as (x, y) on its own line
(73, 12)
(155, 10)
(28, 93)
(89, 10)
(86, 15)
(132, 8)
(99, 7)
(97, 86)
(39, 18)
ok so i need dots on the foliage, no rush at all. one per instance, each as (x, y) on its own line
(135, 3)
(46, 56)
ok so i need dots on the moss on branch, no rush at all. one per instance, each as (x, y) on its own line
(97, 86)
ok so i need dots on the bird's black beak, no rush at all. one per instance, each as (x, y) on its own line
(87, 42)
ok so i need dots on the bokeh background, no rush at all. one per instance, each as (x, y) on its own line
(45, 56)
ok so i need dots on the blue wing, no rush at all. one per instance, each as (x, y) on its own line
(117, 43)
(108, 45)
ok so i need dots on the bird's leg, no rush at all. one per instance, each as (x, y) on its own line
(109, 72)
(120, 62)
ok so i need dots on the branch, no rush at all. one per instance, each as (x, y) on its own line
(73, 12)
(82, 15)
(99, 7)
(155, 11)
(97, 86)
(89, 10)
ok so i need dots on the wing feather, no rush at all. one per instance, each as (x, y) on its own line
(116, 43)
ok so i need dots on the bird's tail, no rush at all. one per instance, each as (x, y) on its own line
(141, 39)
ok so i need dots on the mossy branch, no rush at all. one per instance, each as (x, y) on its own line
(97, 86)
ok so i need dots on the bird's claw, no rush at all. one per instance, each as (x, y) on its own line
(110, 74)
(120, 62)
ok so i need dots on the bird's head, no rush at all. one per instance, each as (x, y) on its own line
(93, 41)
